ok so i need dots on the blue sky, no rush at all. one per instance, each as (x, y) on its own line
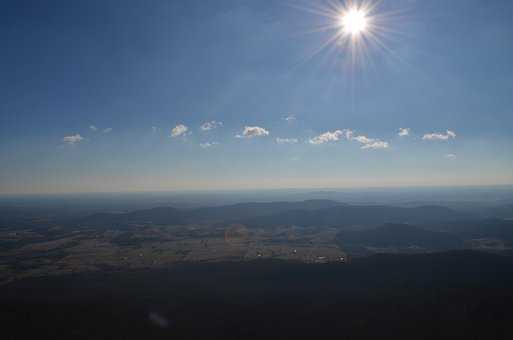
(143, 68)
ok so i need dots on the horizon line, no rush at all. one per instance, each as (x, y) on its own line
(242, 190)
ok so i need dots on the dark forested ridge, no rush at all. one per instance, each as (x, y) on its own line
(463, 294)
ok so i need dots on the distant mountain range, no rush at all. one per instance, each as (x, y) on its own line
(363, 229)
(320, 213)
(160, 216)
(356, 215)
(244, 211)
(226, 213)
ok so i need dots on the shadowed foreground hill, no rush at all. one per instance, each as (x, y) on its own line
(464, 295)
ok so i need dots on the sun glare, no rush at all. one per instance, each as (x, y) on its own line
(356, 30)
(353, 21)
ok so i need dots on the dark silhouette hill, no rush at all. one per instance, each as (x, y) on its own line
(454, 295)
(486, 228)
(399, 235)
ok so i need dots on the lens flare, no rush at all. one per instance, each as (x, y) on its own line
(355, 29)
(354, 21)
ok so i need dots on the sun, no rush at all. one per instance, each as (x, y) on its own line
(353, 21)
(357, 31)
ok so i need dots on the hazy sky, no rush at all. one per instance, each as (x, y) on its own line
(113, 95)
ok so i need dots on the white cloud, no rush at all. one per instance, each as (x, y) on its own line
(207, 145)
(326, 137)
(286, 140)
(403, 132)
(376, 144)
(253, 131)
(367, 143)
(94, 128)
(451, 134)
(73, 139)
(439, 136)
(450, 156)
(363, 139)
(289, 118)
(213, 124)
(179, 130)
(435, 136)
(348, 134)
(154, 129)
